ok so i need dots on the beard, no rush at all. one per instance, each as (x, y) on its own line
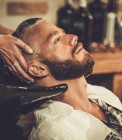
(70, 69)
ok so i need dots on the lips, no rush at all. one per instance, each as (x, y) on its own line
(78, 48)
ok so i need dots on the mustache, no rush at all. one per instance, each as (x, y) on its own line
(75, 48)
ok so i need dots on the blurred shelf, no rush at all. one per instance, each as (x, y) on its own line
(110, 62)
(107, 62)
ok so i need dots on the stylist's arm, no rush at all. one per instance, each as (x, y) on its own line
(10, 52)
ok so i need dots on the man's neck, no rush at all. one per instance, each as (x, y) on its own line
(76, 95)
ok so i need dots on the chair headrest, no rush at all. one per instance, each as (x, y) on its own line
(18, 97)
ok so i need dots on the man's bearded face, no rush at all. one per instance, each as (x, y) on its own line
(70, 69)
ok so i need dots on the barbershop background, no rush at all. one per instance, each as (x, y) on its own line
(98, 24)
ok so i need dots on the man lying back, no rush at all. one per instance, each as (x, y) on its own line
(83, 112)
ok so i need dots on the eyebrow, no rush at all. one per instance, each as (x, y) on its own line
(50, 36)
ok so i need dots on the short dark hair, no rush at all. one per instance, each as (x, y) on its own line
(7, 76)
(22, 28)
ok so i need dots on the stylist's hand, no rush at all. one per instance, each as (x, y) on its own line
(10, 52)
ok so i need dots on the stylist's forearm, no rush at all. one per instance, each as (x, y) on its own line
(4, 30)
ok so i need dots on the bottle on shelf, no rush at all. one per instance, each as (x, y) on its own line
(64, 16)
(82, 24)
(99, 11)
(112, 28)
(112, 6)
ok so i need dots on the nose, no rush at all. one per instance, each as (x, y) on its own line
(73, 40)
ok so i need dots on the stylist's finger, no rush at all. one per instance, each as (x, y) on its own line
(22, 73)
(16, 56)
(18, 71)
(13, 70)
(11, 61)
(15, 73)
(19, 57)
(9, 65)
(24, 47)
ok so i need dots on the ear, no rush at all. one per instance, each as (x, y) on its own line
(37, 69)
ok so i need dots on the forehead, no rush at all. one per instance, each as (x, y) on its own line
(46, 26)
(42, 30)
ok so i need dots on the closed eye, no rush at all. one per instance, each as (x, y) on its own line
(57, 40)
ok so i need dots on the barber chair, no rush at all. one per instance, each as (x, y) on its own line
(16, 100)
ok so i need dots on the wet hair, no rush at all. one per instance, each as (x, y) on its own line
(24, 26)
(20, 32)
